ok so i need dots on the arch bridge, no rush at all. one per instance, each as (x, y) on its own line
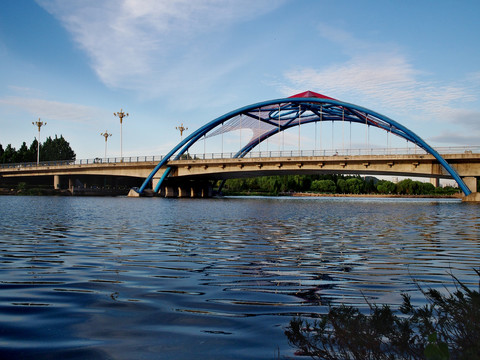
(268, 118)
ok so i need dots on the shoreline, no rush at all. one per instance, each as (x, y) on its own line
(459, 196)
(118, 192)
(308, 194)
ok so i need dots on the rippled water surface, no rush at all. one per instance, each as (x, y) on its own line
(121, 278)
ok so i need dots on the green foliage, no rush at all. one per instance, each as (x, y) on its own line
(56, 149)
(342, 186)
(385, 187)
(274, 185)
(9, 155)
(25, 154)
(22, 186)
(323, 186)
(270, 184)
(50, 150)
(447, 327)
(436, 350)
(410, 187)
(447, 190)
(354, 186)
(186, 156)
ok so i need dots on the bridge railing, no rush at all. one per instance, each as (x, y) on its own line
(254, 154)
(335, 152)
(114, 160)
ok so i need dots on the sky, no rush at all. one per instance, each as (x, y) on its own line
(74, 63)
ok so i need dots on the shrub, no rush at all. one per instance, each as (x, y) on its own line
(448, 327)
(324, 186)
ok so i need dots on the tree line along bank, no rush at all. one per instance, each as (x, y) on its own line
(51, 150)
(331, 184)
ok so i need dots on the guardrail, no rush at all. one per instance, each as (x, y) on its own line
(335, 152)
(256, 154)
(115, 160)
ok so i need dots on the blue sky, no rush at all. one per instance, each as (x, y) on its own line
(74, 63)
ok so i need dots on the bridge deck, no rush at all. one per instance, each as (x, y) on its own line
(466, 164)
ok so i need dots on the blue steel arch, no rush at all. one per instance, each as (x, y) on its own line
(281, 114)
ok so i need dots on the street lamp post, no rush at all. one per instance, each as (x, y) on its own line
(181, 129)
(106, 135)
(120, 115)
(39, 125)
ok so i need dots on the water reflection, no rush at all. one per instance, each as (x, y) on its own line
(126, 278)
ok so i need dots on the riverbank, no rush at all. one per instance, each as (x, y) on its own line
(310, 194)
(455, 196)
(123, 192)
(64, 192)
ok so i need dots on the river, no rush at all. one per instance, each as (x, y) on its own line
(153, 278)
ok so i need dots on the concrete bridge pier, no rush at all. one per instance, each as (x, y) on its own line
(56, 181)
(171, 191)
(184, 191)
(207, 191)
(203, 190)
(435, 182)
(471, 183)
(62, 181)
(187, 190)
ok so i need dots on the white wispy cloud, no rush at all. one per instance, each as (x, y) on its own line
(387, 81)
(55, 110)
(149, 45)
(459, 139)
(383, 78)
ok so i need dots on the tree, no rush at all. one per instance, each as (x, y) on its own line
(50, 150)
(57, 149)
(9, 155)
(323, 186)
(341, 186)
(369, 185)
(427, 188)
(25, 154)
(409, 187)
(354, 185)
(385, 187)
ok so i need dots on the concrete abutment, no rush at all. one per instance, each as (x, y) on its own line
(471, 183)
(183, 190)
(473, 197)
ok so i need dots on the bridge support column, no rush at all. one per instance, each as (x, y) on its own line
(170, 192)
(56, 181)
(471, 183)
(183, 192)
(161, 191)
(206, 191)
(435, 182)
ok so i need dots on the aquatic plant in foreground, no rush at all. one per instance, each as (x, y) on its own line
(447, 327)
